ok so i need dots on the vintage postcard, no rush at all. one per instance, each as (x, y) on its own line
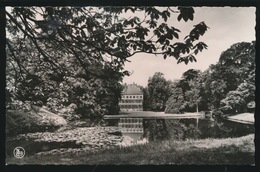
(130, 85)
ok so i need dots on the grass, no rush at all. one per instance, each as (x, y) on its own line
(228, 151)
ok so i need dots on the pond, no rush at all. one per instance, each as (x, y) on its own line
(160, 129)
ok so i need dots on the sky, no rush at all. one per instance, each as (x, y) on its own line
(228, 25)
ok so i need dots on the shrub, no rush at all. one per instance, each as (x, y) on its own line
(35, 120)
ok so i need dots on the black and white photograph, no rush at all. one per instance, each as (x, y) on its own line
(130, 85)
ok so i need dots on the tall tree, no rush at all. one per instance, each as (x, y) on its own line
(175, 103)
(158, 92)
(193, 97)
(235, 65)
(186, 78)
(190, 90)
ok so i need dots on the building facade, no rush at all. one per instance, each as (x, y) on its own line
(132, 98)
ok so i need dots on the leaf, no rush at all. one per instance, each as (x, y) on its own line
(196, 51)
(175, 35)
(169, 36)
(179, 17)
(169, 50)
(186, 13)
(157, 33)
(127, 73)
(163, 47)
(191, 16)
(179, 61)
(186, 37)
(83, 34)
(186, 61)
(173, 28)
(187, 49)
(161, 39)
(185, 18)
(194, 59)
(164, 17)
(191, 59)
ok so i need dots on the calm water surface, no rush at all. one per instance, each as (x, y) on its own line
(207, 128)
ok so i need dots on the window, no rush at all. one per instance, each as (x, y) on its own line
(133, 96)
(130, 96)
(126, 96)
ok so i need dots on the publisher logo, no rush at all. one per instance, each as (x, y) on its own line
(19, 152)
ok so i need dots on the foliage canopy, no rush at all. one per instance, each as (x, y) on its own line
(228, 86)
(62, 55)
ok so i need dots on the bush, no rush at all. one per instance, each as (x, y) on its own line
(225, 110)
(35, 120)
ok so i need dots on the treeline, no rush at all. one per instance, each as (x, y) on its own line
(227, 87)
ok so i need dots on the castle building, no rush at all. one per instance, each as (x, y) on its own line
(132, 98)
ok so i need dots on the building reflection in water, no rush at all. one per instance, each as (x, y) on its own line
(132, 130)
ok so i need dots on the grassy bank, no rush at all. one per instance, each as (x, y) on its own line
(206, 151)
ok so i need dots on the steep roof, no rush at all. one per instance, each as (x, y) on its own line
(132, 89)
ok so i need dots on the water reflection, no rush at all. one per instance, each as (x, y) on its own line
(132, 131)
(220, 128)
(133, 139)
(139, 130)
